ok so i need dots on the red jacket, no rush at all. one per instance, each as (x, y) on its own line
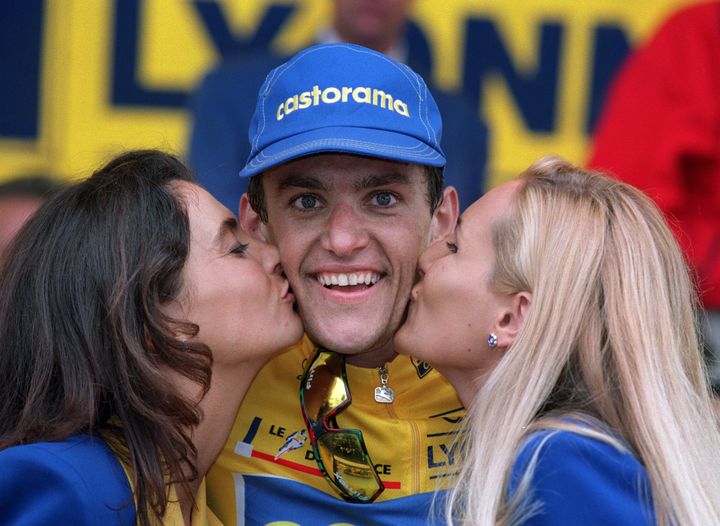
(660, 131)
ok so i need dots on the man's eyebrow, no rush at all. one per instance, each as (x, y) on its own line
(373, 181)
(302, 181)
(229, 225)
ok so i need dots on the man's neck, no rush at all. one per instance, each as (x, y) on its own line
(395, 50)
(373, 358)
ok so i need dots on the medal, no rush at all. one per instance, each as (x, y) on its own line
(384, 394)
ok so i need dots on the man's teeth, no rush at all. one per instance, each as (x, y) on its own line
(344, 280)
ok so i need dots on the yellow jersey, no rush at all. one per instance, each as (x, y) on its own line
(267, 475)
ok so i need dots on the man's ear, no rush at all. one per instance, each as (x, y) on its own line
(512, 319)
(250, 221)
(445, 216)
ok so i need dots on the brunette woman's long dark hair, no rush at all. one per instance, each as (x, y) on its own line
(84, 345)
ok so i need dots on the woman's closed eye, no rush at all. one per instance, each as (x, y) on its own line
(239, 249)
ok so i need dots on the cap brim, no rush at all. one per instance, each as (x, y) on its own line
(360, 141)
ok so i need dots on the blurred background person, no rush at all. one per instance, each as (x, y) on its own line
(660, 131)
(19, 199)
(224, 103)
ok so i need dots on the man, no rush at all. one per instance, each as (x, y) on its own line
(347, 182)
(222, 105)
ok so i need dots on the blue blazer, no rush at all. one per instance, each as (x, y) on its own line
(580, 480)
(74, 482)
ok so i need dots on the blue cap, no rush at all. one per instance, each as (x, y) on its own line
(348, 99)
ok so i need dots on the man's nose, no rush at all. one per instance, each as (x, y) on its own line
(345, 232)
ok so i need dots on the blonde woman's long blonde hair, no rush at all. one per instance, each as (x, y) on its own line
(611, 333)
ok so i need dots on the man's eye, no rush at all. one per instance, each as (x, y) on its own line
(384, 199)
(306, 202)
(452, 246)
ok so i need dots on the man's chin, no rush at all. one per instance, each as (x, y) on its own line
(348, 346)
(365, 349)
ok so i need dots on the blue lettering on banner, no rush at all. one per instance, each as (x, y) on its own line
(21, 37)
(485, 54)
(126, 90)
(226, 43)
(535, 92)
(611, 48)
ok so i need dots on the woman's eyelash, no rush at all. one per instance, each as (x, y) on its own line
(239, 249)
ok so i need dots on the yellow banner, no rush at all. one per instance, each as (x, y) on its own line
(112, 75)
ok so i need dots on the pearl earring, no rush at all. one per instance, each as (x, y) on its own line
(492, 340)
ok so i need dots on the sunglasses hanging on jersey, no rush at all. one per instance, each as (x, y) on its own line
(340, 453)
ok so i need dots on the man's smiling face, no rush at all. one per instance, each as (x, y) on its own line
(349, 230)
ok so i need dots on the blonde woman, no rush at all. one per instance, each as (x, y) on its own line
(562, 311)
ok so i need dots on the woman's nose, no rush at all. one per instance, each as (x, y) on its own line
(431, 254)
(268, 256)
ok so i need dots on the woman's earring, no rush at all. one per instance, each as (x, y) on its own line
(492, 340)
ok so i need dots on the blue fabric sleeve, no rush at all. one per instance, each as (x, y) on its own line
(44, 484)
(580, 480)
